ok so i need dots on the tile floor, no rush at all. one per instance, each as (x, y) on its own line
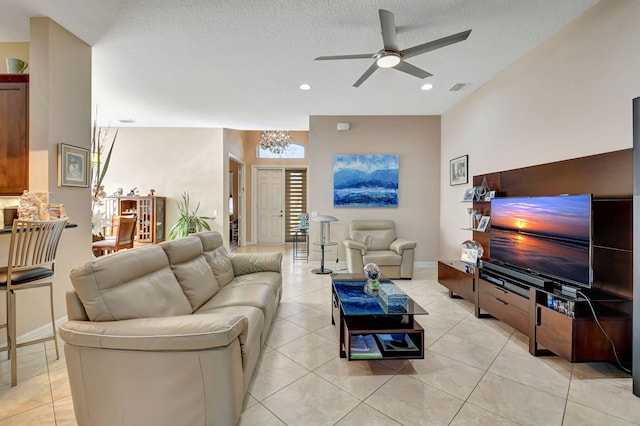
(475, 372)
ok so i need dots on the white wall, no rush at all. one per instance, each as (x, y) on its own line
(172, 160)
(570, 97)
(416, 139)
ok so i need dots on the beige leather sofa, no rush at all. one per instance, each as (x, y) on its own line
(375, 241)
(168, 334)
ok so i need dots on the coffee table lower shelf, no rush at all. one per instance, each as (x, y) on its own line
(379, 328)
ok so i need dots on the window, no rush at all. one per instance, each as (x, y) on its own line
(294, 150)
(295, 193)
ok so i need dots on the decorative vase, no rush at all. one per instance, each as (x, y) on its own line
(373, 274)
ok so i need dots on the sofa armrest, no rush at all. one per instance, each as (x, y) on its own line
(178, 333)
(355, 245)
(401, 244)
(247, 263)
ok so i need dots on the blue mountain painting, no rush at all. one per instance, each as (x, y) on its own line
(365, 180)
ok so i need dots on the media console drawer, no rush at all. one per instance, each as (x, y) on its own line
(504, 305)
(504, 295)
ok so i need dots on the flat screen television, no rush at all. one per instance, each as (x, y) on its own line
(547, 236)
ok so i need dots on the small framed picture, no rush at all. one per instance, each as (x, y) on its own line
(469, 194)
(73, 166)
(458, 171)
(469, 256)
(490, 195)
(484, 223)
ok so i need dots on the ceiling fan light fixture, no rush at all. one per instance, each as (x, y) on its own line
(388, 59)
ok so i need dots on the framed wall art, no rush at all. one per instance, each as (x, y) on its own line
(73, 166)
(365, 180)
(458, 170)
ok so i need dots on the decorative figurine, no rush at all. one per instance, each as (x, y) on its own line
(373, 274)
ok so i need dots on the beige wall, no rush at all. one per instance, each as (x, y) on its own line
(18, 50)
(171, 160)
(60, 111)
(570, 97)
(416, 139)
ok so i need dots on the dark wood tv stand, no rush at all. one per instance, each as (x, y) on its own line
(609, 177)
(525, 308)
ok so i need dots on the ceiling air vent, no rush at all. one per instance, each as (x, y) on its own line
(458, 86)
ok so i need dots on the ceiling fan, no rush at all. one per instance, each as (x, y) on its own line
(391, 56)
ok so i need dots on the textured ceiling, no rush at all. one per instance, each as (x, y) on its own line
(238, 63)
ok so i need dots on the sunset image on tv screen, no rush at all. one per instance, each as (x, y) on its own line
(547, 235)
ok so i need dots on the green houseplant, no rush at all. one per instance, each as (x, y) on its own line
(99, 167)
(189, 221)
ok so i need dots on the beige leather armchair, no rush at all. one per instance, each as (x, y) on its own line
(375, 241)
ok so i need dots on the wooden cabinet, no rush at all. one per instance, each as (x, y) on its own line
(14, 134)
(151, 215)
(459, 278)
(505, 305)
(578, 338)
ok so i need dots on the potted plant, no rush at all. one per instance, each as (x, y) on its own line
(189, 221)
(99, 166)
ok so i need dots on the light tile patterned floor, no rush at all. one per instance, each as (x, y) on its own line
(475, 371)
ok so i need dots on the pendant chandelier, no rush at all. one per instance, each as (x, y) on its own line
(275, 141)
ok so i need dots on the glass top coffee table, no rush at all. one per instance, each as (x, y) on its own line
(378, 326)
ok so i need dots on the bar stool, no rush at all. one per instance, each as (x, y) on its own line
(32, 255)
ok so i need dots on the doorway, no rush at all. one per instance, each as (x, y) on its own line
(270, 205)
(236, 203)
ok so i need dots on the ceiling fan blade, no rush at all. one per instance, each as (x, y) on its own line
(331, 58)
(435, 44)
(366, 75)
(388, 25)
(412, 69)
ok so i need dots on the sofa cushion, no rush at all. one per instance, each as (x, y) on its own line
(260, 296)
(383, 257)
(272, 279)
(374, 234)
(217, 256)
(191, 269)
(129, 284)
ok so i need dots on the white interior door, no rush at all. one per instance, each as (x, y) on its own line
(270, 206)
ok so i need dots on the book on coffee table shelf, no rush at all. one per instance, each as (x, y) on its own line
(396, 342)
(364, 346)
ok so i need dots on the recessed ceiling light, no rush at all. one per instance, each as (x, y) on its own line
(427, 86)
(305, 86)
